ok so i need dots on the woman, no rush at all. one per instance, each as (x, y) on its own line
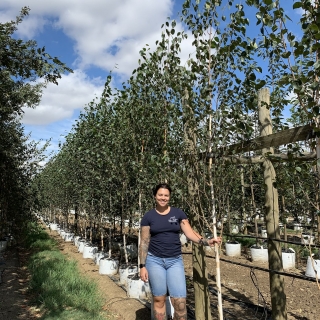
(160, 253)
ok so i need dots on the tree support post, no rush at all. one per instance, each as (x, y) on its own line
(278, 296)
(200, 273)
(318, 190)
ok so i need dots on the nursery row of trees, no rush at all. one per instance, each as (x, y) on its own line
(160, 124)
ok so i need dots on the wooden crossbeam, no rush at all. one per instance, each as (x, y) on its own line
(272, 157)
(274, 140)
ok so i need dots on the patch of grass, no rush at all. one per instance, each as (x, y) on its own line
(57, 281)
(43, 245)
(36, 237)
(56, 285)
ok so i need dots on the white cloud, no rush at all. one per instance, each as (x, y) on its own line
(74, 92)
(31, 25)
(112, 33)
(8, 15)
(98, 27)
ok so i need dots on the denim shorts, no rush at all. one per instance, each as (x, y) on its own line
(166, 275)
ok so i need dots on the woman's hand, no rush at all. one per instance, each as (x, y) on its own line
(212, 241)
(144, 274)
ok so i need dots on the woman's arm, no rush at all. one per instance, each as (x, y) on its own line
(196, 237)
(144, 245)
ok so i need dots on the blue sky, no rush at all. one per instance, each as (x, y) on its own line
(92, 37)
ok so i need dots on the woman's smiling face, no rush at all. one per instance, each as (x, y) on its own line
(162, 197)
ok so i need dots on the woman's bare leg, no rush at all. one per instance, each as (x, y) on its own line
(180, 308)
(159, 308)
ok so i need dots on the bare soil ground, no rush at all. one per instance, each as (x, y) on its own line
(13, 286)
(245, 290)
(246, 295)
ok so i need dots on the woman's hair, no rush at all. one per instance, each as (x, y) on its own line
(159, 186)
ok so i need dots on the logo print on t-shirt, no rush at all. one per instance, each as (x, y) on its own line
(173, 219)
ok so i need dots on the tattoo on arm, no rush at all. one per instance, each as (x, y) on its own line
(204, 242)
(144, 243)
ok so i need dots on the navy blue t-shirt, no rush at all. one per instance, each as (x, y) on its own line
(164, 231)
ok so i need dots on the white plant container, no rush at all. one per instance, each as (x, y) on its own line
(125, 271)
(108, 266)
(259, 253)
(62, 234)
(53, 226)
(183, 239)
(233, 249)
(89, 251)
(297, 227)
(264, 233)
(313, 266)
(76, 240)
(289, 259)
(138, 289)
(169, 308)
(98, 256)
(68, 237)
(82, 243)
(235, 229)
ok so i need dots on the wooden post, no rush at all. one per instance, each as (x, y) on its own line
(278, 297)
(200, 273)
(318, 191)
